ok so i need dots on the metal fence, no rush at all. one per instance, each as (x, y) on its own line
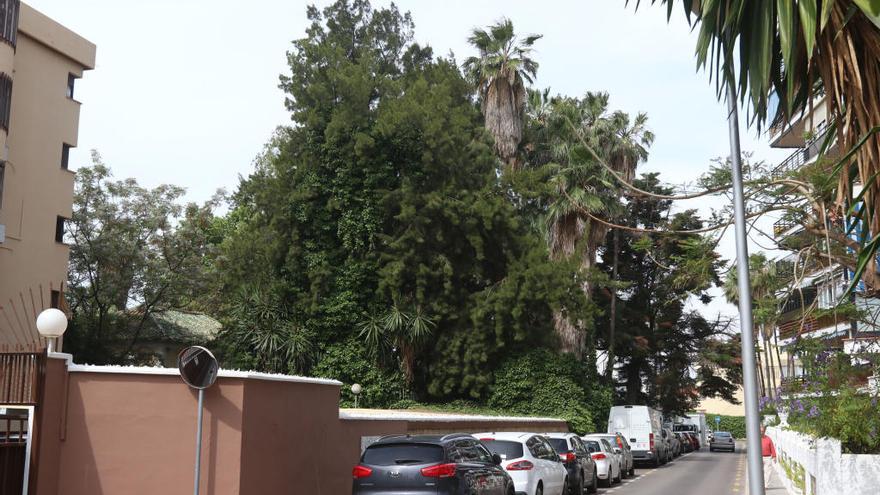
(21, 376)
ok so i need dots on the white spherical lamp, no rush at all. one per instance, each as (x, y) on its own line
(51, 324)
(356, 390)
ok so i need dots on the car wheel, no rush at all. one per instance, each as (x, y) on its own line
(594, 487)
(606, 483)
(656, 462)
(540, 489)
(577, 489)
(711, 449)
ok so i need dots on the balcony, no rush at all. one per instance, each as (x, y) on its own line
(802, 155)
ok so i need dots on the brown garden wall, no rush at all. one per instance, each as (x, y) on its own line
(131, 431)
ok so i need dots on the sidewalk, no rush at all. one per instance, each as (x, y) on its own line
(778, 485)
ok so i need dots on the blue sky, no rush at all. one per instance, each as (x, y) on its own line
(185, 91)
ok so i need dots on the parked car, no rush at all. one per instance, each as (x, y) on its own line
(666, 438)
(607, 462)
(448, 464)
(685, 442)
(583, 476)
(674, 443)
(621, 448)
(641, 427)
(722, 440)
(531, 461)
(695, 440)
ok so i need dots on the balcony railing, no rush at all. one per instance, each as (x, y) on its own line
(802, 155)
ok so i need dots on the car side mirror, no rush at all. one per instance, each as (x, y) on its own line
(617, 450)
(496, 459)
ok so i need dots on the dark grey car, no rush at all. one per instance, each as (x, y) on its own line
(722, 440)
(456, 464)
(574, 454)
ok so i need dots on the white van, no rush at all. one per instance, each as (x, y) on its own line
(642, 426)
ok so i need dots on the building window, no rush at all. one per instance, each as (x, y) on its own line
(59, 229)
(65, 155)
(9, 20)
(55, 299)
(71, 80)
(5, 100)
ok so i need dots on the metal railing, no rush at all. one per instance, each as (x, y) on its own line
(802, 155)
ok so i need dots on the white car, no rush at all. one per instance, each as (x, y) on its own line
(530, 460)
(607, 462)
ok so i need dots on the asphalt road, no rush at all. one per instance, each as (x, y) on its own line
(697, 473)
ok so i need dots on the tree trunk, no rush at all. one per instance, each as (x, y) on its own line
(612, 318)
(768, 364)
(778, 355)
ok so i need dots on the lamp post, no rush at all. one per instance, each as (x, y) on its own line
(356, 390)
(51, 323)
(744, 292)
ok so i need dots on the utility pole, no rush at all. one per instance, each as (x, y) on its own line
(750, 383)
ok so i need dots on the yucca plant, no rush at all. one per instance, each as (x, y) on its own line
(798, 49)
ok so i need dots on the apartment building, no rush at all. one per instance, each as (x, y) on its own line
(40, 63)
(807, 311)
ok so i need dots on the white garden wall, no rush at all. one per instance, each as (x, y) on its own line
(828, 471)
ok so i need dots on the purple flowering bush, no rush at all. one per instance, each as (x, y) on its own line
(833, 402)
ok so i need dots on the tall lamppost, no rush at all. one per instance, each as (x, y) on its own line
(744, 293)
(51, 323)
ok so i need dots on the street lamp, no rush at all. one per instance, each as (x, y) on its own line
(356, 390)
(51, 323)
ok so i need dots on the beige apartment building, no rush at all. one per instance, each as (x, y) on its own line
(40, 62)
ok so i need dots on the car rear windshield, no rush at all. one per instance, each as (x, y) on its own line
(402, 453)
(593, 446)
(559, 444)
(722, 434)
(505, 448)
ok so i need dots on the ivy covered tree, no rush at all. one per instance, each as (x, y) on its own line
(384, 198)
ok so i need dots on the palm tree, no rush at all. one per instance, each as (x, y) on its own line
(766, 283)
(498, 73)
(583, 187)
(624, 151)
(397, 333)
(792, 51)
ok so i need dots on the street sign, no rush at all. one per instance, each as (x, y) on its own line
(717, 422)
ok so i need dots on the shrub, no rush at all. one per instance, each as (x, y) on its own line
(541, 382)
(350, 363)
(736, 425)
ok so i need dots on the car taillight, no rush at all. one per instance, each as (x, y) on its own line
(651, 440)
(439, 471)
(520, 466)
(599, 456)
(361, 472)
(486, 439)
(569, 457)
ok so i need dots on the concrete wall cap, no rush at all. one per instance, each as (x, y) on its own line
(415, 416)
(155, 370)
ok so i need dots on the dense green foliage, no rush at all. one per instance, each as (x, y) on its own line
(659, 338)
(736, 425)
(542, 382)
(134, 251)
(384, 198)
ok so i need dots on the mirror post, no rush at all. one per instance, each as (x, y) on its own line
(199, 442)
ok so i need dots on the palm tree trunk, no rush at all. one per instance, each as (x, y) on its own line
(771, 375)
(778, 355)
(612, 322)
